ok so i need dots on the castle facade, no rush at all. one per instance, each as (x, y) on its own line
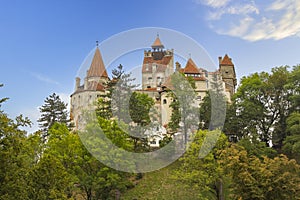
(158, 66)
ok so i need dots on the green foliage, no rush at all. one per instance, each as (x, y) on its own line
(139, 108)
(255, 178)
(204, 174)
(104, 102)
(183, 106)
(213, 107)
(292, 142)
(294, 86)
(121, 94)
(14, 160)
(256, 148)
(260, 107)
(49, 179)
(14, 157)
(2, 99)
(173, 125)
(54, 110)
(85, 173)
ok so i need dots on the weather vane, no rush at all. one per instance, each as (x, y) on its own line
(97, 43)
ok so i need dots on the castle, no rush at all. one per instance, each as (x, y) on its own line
(158, 66)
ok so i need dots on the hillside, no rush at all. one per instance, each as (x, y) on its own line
(160, 185)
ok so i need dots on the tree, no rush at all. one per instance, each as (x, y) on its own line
(96, 179)
(2, 99)
(213, 107)
(49, 179)
(115, 102)
(54, 110)
(291, 145)
(204, 174)
(104, 102)
(260, 178)
(139, 108)
(15, 161)
(294, 86)
(260, 107)
(183, 105)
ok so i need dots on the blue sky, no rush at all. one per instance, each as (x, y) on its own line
(43, 43)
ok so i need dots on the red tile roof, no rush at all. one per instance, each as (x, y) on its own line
(190, 68)
(97, 68)
(226, 61)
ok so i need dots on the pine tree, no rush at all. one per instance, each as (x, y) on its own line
(104, 103)
(54, 110)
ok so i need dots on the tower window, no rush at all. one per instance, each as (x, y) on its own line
(165, 101)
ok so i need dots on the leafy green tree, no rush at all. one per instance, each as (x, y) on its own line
(291, 145)
(260, 178)
(256, 148)
(77, 172)
(204, 174)
(260, 107)
(173, 125)
(97, 180)
(183, 105)
(15, 161)
(139, 108)
(54, 110)
(294, 86)
(49, 179)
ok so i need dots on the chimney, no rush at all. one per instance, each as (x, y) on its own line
(77, 85)
(220, 59)
(178, 66)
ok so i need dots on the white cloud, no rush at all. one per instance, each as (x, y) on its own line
(233, 10)
(44, 79)
(279, 5)
(276, 20)
(213, 3)
(242, 28)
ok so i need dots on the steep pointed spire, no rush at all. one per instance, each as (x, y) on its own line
(97, 68)
(226, 61)
(157, 43)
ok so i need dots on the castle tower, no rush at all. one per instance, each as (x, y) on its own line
(227, 71)
(157, 65)
(85, 95)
